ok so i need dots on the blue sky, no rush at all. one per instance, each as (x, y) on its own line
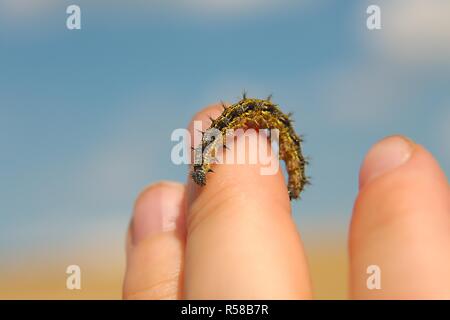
(86, 116)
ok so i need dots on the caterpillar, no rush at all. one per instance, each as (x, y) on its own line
(259, 114)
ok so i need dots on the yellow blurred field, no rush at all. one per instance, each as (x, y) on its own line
(102, 274)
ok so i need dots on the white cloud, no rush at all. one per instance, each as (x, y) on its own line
(415, 31)
(413, 42)
(24, 8)
(13, 9)
(234, 7)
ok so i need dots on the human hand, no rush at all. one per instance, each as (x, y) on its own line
(235, 238)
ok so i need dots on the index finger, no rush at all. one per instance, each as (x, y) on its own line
(242, 242)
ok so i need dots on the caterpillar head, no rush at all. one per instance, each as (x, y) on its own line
(199, 176)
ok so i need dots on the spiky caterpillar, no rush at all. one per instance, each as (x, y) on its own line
(261, 114)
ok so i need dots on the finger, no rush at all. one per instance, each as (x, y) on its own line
(155, 244)
(242, 242)
(401, 224)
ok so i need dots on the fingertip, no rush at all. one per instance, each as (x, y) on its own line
(155, 243)
(157, 209)
(384, 156)
(202, 117)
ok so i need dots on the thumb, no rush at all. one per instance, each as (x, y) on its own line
(401, 224)
(242, 242)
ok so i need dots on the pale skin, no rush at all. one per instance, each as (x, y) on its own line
(236, 238)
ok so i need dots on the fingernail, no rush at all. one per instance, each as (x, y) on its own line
(386, 155)
(157, 210)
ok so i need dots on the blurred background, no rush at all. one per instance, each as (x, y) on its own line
(86, 115)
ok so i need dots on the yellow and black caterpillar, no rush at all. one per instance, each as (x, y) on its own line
(258, 114)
